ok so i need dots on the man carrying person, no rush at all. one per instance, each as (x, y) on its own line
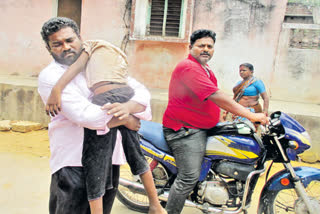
(193, 107)
(68, 191)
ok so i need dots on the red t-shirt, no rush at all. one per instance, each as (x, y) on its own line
(189, 88)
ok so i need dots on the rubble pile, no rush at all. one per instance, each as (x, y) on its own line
(19, 126)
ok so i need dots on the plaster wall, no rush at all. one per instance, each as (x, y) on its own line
(153, 58)
(22, 51)
(104, 20)
(297, 70)
(20, 100)
(154, 61)
(246, 32)
(243, 35)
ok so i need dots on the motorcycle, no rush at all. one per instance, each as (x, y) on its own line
(235, 158)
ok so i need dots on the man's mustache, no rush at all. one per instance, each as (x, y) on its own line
(64, 53)
(205, 53)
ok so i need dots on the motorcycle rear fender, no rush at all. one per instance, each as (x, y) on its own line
(306, 174)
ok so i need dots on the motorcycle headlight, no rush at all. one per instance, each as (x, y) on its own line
(293, 144)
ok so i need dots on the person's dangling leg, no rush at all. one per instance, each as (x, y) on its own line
(96, 206)
(154, 203)
(110, 194)
(98, 150)
(139, 166)
(97, 163)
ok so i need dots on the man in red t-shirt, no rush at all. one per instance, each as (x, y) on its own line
(194, 106)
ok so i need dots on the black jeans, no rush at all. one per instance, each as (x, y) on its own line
(98, 149)
(188, 147)
(68, 194)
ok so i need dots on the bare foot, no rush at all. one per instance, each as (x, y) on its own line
(157, 210)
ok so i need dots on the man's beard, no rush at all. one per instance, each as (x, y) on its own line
(66, 61)
(204, 61)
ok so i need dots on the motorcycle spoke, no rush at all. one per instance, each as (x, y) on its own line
(137, 198)
(284, 207)
(286, 200)
(139, 201)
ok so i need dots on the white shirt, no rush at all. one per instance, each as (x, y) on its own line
(66, 129)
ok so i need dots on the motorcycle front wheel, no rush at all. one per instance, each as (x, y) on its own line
(135, 201)
(286, 201)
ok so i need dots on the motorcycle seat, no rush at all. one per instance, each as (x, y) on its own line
(152, 132)
(232, 128)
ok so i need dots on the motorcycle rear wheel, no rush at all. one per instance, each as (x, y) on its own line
(136, 201)
(286, 201)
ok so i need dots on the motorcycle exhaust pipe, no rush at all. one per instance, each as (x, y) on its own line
(138, 188)
(134, 187)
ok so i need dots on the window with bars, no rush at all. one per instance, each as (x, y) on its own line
(165, 18)
(161, 20)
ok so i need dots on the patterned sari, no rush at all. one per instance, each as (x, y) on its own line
(237, 96)
(243, 85)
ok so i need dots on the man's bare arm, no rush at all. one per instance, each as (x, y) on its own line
(53, 105)
(228, 104)
(73, 70)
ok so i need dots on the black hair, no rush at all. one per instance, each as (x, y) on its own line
(198, 34)
(248, 65)
(55, 24)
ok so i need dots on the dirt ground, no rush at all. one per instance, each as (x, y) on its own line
(25, 175)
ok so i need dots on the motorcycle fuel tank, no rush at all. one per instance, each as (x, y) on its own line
(242, 149)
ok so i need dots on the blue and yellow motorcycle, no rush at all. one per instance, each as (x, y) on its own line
(235, 158)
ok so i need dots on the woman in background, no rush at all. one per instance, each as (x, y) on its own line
(248, 91)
